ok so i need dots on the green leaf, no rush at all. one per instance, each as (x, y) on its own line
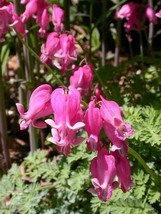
(153, 195)
(126, 206)
(95, 39)
(5, 51)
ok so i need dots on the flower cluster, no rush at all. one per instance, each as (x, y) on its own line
(108, 168)
(63, 110)
(59, 49)
(9, 18)
(136, 14)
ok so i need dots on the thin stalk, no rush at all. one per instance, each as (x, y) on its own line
(42, 138)
(3, 124)
(117, 44)
(66, 5)
(21, 75)
(104, 28)
(110, 11)
(30, 78)
(84, 104)
(90, 27)
(151, 30)
(141, 44)
(17, 6)
(130, 49)
(116, 56)
(155, 177)
(33, 139)
(150, 36)
(37, 46)
(102, 84)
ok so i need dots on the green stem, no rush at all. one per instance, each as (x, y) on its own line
(102, 84)
(141, 44)
(3, 123)
(110, 11)
(151, 30)
(90, 26)
(33, 139)
(38, 59)
(21, 75)
(84, 104)
(104, 29)
(66, 15)
(29, 67)
(130, 49)
(117, 43)
(155, 177)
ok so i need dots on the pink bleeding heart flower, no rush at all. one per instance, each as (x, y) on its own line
(66, 54)
(82, 79)
(112, 115)
(123, 171)
(18, 25)
(51, 46)
(8, 18)
(42, 17)
(30, 10)
(103, 172)
(117, 144)
(60, 50)
(93, 125)
(37, 9)
(24, 1)
(97, 93)
(68, 118)
(158, 14)
(58, 18)
(150, 14)
(125, 11)
(136, 15)
(6, 11)
(39, 107)
(1, 2)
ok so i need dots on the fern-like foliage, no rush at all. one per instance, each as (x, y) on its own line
(146, 122)
(59, 185)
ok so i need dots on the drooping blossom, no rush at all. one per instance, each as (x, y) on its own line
(18, 25)
(103, 172)
(67, 120)
(30, 10)
(82, 79)
(60, 49)
(117, 143)
(58, 18)
(93, 125)
(24, 1)
(115, 128)
(39, 107)
(6, 11)
(1, 2)
(158, 14)
(150, 14)
(51, 46)
(136, 14)
(9, 18)
(37, 9)
(66, 54)
(43, 17)
(97, 93)
(123, 171)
